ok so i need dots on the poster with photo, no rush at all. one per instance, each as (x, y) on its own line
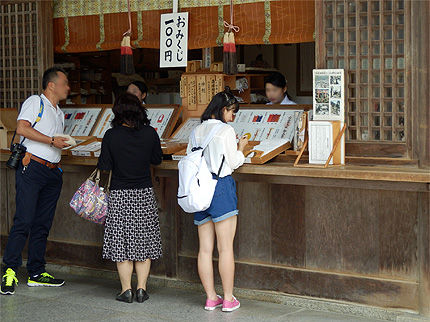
(328, 94)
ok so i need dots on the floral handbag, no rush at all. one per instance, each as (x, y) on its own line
(90, 201)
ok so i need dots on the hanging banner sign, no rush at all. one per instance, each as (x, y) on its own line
(174, 40)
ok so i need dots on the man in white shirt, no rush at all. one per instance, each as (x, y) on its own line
(38, 182)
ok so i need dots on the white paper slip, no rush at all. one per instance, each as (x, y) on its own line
(92, 147)
(268, 146)
(81, 153)
(177, 157)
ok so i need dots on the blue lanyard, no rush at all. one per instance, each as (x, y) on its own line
(39, 116)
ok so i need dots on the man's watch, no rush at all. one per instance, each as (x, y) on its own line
(52, 142)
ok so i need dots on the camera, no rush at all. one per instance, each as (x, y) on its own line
(18, 152)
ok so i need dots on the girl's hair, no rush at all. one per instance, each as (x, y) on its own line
(224, 99)
(127, 109)
(278, 80)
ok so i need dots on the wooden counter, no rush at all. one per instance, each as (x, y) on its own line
(407, 174)
(351, 233)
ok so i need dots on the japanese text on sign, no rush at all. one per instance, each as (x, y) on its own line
(174, 39)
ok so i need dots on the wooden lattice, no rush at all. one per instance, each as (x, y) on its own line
(19, 52)
(367, 39)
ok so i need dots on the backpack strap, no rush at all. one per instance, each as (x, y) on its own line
(208, 138)
(219, 171)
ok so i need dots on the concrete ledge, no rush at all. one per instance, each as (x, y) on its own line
(274, 297)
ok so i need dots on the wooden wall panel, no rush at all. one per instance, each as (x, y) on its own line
(188, 239)
(68, 226)
(288, 225)
(398, 234)
(371, 291)
(342, 229)
(165, 190)
(253, 239)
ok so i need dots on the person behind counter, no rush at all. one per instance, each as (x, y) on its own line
(139, 89)
(276, 89)
(132, 230)
(39, 179)
(220, 219)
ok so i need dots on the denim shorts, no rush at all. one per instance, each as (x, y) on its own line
(223, 205)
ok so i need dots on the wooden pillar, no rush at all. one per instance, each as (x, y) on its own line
(420, 79)
(319, 35)
(45, 36)
(424, 253)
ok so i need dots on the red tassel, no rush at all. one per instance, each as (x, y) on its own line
(126, 62)
(229, 54)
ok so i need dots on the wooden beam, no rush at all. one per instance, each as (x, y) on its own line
(420, 80)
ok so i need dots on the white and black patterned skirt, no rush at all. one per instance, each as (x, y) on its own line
(132, 228)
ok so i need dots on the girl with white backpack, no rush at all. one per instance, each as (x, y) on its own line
(222, 156)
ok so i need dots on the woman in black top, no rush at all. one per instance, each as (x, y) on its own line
(132, 229)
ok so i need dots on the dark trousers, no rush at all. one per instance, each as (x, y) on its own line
(37, 191)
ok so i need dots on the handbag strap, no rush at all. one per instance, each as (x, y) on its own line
(95, 176)
(92, 175)
(107, 186)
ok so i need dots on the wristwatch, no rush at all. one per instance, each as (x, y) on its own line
(52, 142)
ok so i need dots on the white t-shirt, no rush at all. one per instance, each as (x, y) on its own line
(51, 123)
(223, 143)
(285, 101)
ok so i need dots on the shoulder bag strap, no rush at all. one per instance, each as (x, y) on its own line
(39, 116)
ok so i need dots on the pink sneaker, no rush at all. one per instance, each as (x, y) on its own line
(228, 306)
(212, 305)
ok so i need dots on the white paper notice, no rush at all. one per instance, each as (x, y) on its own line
(320, 142)
(174, 40)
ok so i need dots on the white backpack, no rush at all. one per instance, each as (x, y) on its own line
(196, 183)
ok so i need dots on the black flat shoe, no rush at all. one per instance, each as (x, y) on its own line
(127, 297)
(141, 295)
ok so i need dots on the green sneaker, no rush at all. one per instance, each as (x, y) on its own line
(8, 282)
(44, 279)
